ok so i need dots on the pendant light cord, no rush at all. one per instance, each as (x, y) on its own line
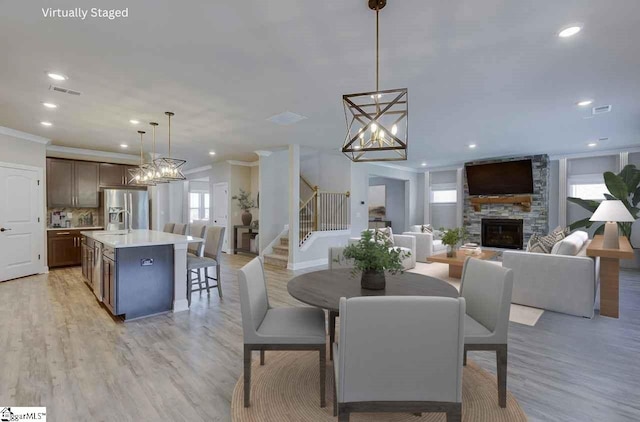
(377, 46)
(169, 136)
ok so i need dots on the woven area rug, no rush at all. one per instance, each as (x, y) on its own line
(519, 314)
(285, 389)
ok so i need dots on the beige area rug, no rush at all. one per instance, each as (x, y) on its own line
(519, 314)
(286, 390)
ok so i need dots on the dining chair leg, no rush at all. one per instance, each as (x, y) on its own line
(464, 357)
(218, 280)
(247, 375)
(261, 357)
(323, 374)
(332, 332)
(455, 414)
(343, 415)
(206, 279)
(501, 366)
(335, 397)
(189, 281)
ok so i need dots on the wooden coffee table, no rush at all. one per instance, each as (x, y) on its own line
(456, 263)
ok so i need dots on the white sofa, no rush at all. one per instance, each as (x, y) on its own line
(405, 243)
(426, 245)
(565, 280)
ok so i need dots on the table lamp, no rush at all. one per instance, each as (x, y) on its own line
(611, 211)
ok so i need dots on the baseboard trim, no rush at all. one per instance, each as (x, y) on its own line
(307, 264)
(180, 305)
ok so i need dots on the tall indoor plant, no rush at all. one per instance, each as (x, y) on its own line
(624, 186)
(374, 254)
(451, 238)
(245, 203)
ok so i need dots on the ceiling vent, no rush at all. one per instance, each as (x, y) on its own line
(601, 109)
(286, 118)
(64, 90)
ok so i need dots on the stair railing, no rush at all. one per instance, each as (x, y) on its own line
(324, 211)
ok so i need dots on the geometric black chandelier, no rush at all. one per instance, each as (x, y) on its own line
(378, 121)
(168, 168)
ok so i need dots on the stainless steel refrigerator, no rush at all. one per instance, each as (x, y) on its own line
(120, 205)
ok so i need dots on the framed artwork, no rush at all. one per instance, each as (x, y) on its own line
(377, 202)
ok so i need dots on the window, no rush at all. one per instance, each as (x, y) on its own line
(445, 196)
(594, 191)
(198, 206)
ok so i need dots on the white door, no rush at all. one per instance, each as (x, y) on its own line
(220, 209)
(21, 232)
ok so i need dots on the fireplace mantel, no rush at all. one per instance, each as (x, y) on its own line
(523, 201)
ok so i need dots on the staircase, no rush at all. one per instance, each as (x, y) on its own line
(280, 256)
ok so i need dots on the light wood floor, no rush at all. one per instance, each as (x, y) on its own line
(61, 350)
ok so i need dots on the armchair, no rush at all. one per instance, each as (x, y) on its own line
(405, 243)
(426, 245)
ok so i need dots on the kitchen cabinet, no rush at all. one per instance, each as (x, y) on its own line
(109, 280)
(72, 184)
(87, 262)
(63, 248)
(114, 175)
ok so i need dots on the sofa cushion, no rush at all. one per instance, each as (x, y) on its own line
(571, 244)
(438, 246)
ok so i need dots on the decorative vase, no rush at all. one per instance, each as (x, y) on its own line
(246, 218)
(451, 251)
(372, 280)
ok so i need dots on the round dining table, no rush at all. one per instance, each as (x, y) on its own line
(324, 289)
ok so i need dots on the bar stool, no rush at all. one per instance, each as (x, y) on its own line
(180, 229)
(168, 228)
(210, 258)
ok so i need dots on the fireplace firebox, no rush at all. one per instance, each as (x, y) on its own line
(502, 233)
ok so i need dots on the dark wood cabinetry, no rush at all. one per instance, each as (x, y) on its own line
(114, 175)
(63, 248)
(72, 184)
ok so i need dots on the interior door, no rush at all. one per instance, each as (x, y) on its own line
(220, 209)
(21, 232)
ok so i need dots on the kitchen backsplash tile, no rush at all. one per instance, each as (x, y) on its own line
(76, 217)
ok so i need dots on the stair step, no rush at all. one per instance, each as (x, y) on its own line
(281, 250)
(284, 241)
(279, 261)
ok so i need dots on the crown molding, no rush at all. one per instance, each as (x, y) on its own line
(24, 135)
(263, 153)
(91, 153)
(244, 163)
(198, 169)
(397, 167)
(595, 153)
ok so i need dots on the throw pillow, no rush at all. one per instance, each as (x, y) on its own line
(426, 228)
(384, 235)
(560, 233)
(541, 244)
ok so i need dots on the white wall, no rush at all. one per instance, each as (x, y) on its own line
(330, 172)
(395, 202)
(274, 196)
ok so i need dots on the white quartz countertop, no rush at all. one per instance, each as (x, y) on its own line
(123, 239)
(75, 228)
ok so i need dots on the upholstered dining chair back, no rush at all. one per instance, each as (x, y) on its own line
(197, 230)
(337, 259)
(180, 229)
(168, 228)
(487, 289)
(400, 348)
(254, 300)
(213, 242)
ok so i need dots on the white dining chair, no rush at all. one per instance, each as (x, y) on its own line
(168, 228)
(267, 328)
(487, 289)
(180, 229)
(399, 354)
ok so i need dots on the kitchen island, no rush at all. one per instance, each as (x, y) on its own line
(138, 273)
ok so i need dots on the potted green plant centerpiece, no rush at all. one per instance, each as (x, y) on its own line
(374, 254)
(451, 238)
(245, 203)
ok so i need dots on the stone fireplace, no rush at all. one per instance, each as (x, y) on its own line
(502, 233)
(534, 220)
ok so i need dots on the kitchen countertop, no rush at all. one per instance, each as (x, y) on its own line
(123, 239)
(76, 228)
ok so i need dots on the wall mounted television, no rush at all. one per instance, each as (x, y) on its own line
(504, 178)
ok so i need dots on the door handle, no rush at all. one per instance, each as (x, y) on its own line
(60, 233)
(4, 230)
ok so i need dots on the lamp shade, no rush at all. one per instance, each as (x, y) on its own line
(612, 210)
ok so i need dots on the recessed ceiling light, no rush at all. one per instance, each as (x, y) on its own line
(584, 103)
(124, 146)
(472, 146)
(134, 122)
(212, 153)
(46, 123)
(592, 144)
(57, 76)
(49, 105)
(569, 32)
(423, 164)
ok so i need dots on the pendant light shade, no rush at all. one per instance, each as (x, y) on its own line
(377, 121)
(169, 168)
(140, 176)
